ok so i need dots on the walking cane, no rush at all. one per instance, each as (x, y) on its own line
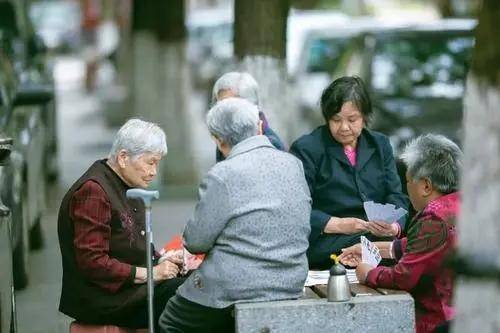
(147, 197)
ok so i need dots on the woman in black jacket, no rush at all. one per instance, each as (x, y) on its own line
(346, 164)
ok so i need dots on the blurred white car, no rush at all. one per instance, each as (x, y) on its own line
(320, 56)
(302, 22)
(210, 43)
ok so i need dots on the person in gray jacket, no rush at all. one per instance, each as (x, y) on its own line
(251, 221)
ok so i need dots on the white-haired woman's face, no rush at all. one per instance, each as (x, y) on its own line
(139, 171)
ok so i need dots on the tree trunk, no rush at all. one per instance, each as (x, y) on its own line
(123, 110)
(305, 4)
(478, 301)
(260, 28)
(161, 83)
(144, 59)
(260, 48)
(445, 7)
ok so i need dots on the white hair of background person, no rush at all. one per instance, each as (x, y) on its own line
(233, 120)
(242, 84)
(137, 137)
(434, 157)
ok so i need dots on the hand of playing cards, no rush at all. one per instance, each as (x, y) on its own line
(383, 212)
(370, 254)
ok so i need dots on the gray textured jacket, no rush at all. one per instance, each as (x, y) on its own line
(252, 221)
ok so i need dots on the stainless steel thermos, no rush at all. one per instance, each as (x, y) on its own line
(338, 285)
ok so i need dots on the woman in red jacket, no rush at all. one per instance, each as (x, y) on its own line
(434, 164)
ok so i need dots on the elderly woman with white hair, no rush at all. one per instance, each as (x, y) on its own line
(102, 237)
(243, 85)
(433, 167)
(251, 221)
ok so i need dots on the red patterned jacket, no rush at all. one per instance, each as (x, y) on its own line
(421, 258)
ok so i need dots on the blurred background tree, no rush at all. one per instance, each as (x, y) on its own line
(160, 83)
(260, 28)
(260, 32)
(478, 300)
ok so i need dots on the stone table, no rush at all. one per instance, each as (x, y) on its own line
(369, 310)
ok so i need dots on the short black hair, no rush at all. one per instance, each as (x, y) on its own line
(343, 90)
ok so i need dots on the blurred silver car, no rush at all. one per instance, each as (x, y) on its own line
(320, 56)
(7, 296)
(210, 44)
(415, 75)
(23, 118)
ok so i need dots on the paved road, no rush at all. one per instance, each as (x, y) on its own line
(83, 139)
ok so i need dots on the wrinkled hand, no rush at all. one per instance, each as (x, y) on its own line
(191, 262)
(351, 256)
(345, 225)
(175, 256)
(382, 229)
(165, 270)
(362, 272)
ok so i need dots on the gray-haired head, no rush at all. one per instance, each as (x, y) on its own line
(233, 120)
(137, 137)
(434, 157)
(241, 84)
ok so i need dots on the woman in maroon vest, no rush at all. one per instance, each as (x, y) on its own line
(102, 238)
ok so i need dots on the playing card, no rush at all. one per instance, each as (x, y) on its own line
(383, 212)
(370, 254)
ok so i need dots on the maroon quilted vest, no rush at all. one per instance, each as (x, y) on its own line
(80, 298)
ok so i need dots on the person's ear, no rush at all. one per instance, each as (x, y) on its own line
(261, 127)
(122, 158)
(427, 187)
(222, 145)
(218, 142)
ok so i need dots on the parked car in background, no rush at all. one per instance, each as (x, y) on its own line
(7, 296)
(26, 102)
(320, 55)
(416, 77)
(300, 23)
(210, 44)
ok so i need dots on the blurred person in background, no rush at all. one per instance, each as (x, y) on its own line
(243, 85)
(251, 221)
(102, 235)
(91, 17)
(345, 165)
(434, 163)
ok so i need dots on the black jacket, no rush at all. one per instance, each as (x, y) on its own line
(339, 189)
